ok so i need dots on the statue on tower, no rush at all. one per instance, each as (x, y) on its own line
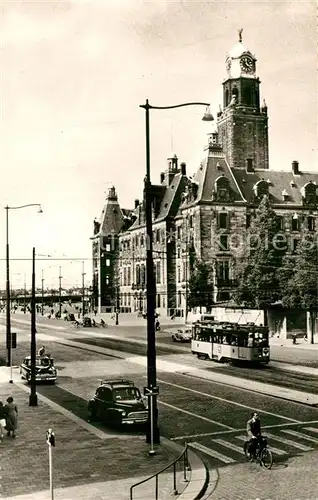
(240, 31)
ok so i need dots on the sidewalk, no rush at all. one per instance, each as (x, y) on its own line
(88, 462)
(295, 479)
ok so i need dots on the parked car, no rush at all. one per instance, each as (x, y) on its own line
(45, 370)
(118, 402)
(69, 317)
(182, 336)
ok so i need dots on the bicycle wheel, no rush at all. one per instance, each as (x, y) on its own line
(247, 453)
(266, 458)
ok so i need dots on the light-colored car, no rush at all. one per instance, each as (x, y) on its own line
(44, 369)
(182, 336)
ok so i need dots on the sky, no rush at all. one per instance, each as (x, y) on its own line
(73, 74)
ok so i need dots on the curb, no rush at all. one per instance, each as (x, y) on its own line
(257, 391)
(199, 478)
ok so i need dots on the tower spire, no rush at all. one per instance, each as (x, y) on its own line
(240, 31)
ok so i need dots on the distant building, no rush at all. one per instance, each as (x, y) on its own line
(203, 215)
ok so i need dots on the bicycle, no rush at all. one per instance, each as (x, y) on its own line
(262, 453)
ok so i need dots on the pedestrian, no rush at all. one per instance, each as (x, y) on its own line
(11, 416)
(41, 351)
(95, 311)
(2, 420)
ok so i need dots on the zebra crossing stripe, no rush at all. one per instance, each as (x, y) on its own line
(300, 435)
(212, 453)
(289, 442)
(311, 429)
(277, 451)
(229, 445)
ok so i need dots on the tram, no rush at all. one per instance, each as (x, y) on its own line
(224, 341)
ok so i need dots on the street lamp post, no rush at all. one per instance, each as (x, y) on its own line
(42, 305)
(60, 291)
(83, 289)
(8, 315)
(153, 435)
(33, 399)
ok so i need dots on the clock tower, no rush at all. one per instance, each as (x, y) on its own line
(243, 123)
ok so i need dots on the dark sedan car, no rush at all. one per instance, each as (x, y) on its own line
(118, 402)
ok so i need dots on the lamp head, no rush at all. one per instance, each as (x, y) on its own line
(40, 211)
(208, 117)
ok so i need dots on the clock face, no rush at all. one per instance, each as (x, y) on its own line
(247, 64)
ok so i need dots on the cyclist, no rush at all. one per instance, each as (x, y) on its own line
(253, 429)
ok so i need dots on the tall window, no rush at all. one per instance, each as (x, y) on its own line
(178, 274)
(310, 223)
(158, 272)
(137, 274)
(224, 242)
(128, 276)
(125, 276)
(223, 270)
(223, 220)
(295, 224)
(142, 274)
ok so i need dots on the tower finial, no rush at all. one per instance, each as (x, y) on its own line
(240, 31)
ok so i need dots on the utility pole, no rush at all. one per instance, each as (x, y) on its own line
(42, 306)
(83, 288)
(24, 308)
(60, 291)
(33, 399)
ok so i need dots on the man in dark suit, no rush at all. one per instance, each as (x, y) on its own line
(253, 429)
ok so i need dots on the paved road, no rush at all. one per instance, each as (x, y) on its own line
(209, 415)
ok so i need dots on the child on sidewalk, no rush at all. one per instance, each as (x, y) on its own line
(2, 420)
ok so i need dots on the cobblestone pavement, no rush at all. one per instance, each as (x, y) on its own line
(80, 456)
(295, 479)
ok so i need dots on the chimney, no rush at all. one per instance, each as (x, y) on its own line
(136, 203)
(183, 169)
(162, 177)
(249, 165)
(295, 167)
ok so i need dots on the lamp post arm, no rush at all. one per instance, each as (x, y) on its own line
(23, 206)
(149, 106)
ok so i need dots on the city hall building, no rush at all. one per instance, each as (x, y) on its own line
(207, 215)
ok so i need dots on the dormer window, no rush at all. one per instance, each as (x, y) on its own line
(292, 183)
(309, 193)
(260, 189)
(285, 195)
(222, 189)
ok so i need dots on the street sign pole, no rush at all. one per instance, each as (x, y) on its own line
(150, 402)
(152, 393)
(50, 439)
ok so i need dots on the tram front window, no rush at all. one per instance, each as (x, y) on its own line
(260, 339)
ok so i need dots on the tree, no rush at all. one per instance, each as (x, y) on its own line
(200, 287)
(259, 259)
(299, 279)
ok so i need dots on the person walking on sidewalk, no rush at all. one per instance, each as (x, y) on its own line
(2, 420)
(11, 410)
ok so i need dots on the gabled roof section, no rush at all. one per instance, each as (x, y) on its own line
(284, 187)
(207, 177)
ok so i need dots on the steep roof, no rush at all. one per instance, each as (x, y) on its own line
(279, 181)
(210, 170)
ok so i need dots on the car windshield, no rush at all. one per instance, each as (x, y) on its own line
(126, 393)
